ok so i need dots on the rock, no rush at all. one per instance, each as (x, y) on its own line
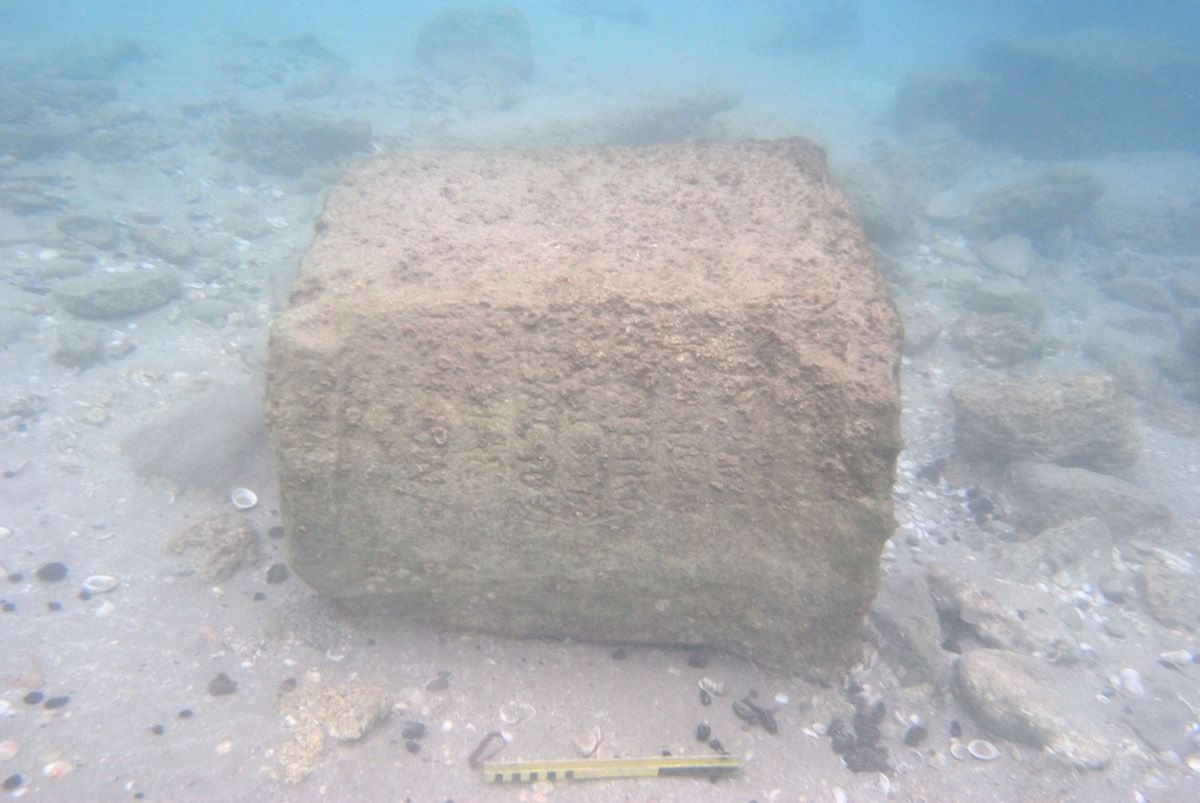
(1071, 419)
(1085, 91)
(1138, 292)
(1044, 495)
(116, 295)
(1011, 255)
(1005, 615)
(1006, 296)
(214, 439)
(922, 327)
(291, 143)
(1067, 545)
(999, 341)
(1132, 371)
(689, 450)
(676, 119)
(484, 47)
(78, 346)
(81, 230)
(1170, 588)
(886, 213)
(1038, 204)
(345, 712)
(1024, 699)
(169, 246)
(908, 635)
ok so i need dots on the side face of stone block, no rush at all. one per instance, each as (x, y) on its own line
(642, 395)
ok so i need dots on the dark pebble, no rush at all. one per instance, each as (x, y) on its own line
(868, 758)
(287, 685)
(413, 730)
(13, 781)
(54, 606)
(705, 698)
(85, 595)
(186, 713)
(259, 596)
(698, 659)
(139, 795)
(15, 577)
(716, 745)
(618, 654)
(440, 683)
(33, 698)
(915, 735)
(9, 607)
(275, 532)
(57, 702)
(221, 685)
(52, 572)
(158, 730)
(744, 712)
(955, 729)
(412, 745)
(703, 733)
(277, 573)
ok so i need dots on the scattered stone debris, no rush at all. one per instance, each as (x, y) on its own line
(344, 712)
(226, 543)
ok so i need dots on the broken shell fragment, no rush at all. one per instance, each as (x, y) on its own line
(983, 750)
(513, 712)
(100, 583)
(243, 498)
(713, 687)
(588, 742)
(57, 769)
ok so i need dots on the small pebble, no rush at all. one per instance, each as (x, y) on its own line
(440, 683)
(222, 685)
(716, 745)
(412, 745)
(33, 698)
(705, 698)
(275, 532)
(277, 573)
(57, 702)
(955, 729)
(186, 713)
(413, 730)
(52, 572)
(85, 595)
(158, 730)
(15, 577)
(915, 735)
(9, 607)
(13, 781)
(618, 654)
(259, 596)
(703, 733)
(287, 685)
(54, 606)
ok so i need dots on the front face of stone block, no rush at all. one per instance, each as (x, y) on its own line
(700, 457)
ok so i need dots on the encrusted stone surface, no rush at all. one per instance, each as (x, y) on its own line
(629, 395)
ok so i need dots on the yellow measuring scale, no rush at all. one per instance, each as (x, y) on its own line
(590, 769)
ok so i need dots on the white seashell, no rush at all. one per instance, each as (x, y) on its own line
(104, 609)
(782, 699)
(9, 748)
(1176, 658)
(1131, 681)
(57, 769)
(713, 687)
(958, 750)
(243, 498)
(983, 750)
(100, 583)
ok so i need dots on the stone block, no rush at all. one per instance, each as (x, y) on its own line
(642, 395)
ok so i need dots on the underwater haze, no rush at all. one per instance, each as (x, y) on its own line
(1026, 178)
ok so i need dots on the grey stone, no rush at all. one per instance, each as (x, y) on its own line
(1143, 294)
(115, 295)
(1012, 255)
(556, 393)
(1071, 419)
(1003, 614)
(90, 231)
(1024, 699)
(171, 246)
(1006, 296)
(291, 143)
(214, 439)
(1169, 586)
(484, 47)
(998, 341)
(1044, 495)
(1037, 204)
(908, 634)
(215, 311)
